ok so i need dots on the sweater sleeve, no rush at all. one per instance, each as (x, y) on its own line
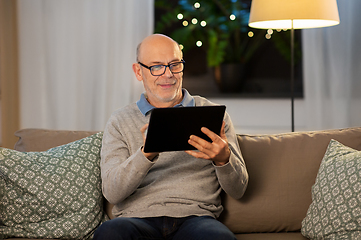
(121, 171)
(233, 176)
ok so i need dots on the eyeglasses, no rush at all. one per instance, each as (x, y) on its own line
(159, 70)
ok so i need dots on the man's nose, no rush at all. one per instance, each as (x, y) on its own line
(168, 72)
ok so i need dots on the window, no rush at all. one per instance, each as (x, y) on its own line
(226, 58)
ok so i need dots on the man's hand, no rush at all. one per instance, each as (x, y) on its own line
(217, 151)
(150, 156)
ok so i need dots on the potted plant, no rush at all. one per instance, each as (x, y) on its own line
(218, 26)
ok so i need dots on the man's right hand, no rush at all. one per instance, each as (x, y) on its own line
(150, 156)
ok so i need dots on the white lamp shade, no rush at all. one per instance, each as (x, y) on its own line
(285, 14)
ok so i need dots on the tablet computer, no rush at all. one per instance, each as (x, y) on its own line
(170, 128)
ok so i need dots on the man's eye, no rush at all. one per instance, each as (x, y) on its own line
(175, 64)
(157, 67)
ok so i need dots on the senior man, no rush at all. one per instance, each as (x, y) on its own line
(168, 195)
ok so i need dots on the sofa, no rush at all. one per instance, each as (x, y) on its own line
(282, 170)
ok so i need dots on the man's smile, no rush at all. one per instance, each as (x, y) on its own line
(167, 85)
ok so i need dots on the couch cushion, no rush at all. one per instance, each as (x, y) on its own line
(335, 211)
(271, 236)
(32, 139)
(52, 194)
(282, 169)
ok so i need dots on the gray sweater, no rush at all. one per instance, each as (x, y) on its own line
(175, 184)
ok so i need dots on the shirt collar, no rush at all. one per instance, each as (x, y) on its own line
(145, 107)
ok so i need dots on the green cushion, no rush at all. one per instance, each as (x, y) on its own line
(335, 211)
(52, 194)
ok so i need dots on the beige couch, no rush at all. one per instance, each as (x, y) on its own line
(282, 170)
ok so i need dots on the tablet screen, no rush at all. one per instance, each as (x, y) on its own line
(170, 128)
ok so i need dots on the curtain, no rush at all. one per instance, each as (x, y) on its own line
(332, 71)
(75, 60)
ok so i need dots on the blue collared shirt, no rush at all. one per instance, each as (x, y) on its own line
(145, 107)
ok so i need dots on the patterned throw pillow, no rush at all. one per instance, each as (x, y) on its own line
(52, 194)
(335, 211)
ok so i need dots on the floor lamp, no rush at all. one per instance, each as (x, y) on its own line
(293, 14)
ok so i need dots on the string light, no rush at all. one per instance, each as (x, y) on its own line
(194, 21)
(203, 23)
(180, 16)
(270, 31)
(250, 34)
(197, 5)
(199, 43)
(232, 17)
(185, 23)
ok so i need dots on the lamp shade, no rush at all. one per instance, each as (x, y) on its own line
(297, 14)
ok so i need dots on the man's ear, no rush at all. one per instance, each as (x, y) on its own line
(137, 71)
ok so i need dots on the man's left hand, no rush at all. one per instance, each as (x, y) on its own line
(217, 151)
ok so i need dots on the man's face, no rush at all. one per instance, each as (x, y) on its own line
(164, 90)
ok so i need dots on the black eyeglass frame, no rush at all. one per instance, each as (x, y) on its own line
(165, 69)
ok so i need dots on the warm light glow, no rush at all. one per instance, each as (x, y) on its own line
(250, 34)
(199, 43)
(185, 23)
(180, 16)
(297, 24)
(232, 17)
(181, 46)
(283, 14)
(197, 5)
(194, 21)
(268, 36)
(270, 31)
(203, 23)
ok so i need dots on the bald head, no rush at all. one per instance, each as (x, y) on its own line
(156, 42)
